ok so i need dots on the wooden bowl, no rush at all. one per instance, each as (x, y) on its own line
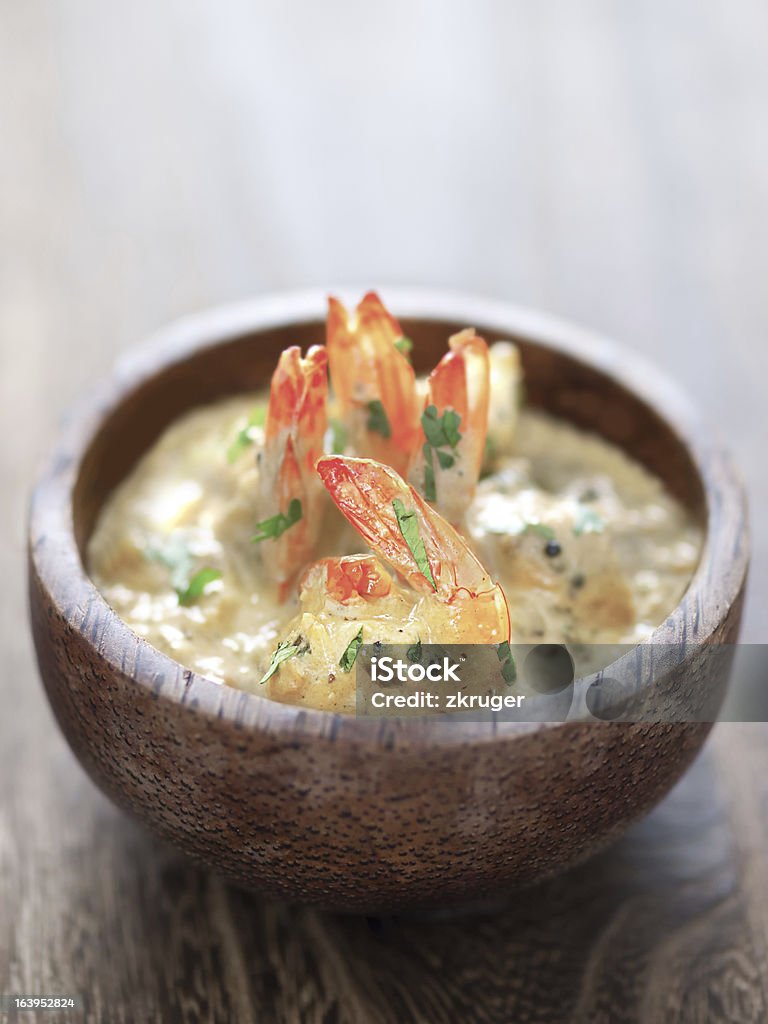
(361, 814)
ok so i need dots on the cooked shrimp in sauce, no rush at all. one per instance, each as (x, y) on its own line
(264, 538)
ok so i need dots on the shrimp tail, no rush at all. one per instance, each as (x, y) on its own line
(294, 429)
(447, 466)
(373, 381)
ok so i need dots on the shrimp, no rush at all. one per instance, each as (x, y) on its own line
(291, 494)
(343, 602)
(443, 594)
(373, 381)
(458, 597)
(455, 422)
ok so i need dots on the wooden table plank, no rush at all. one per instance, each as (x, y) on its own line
(604, 161)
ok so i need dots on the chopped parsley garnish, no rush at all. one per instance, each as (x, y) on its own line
(285, 649)
(587, 521)
(414, 654)
(441, 432)
(178, 559)
(337, 440)
(404, 345)
(409, 528)
(540, 529)
(245, 438)
(377, 419)
(508, 667)
(276, 525)
(175, 556)
(348, 658)
(197, 585)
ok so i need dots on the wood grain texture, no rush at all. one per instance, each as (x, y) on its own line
(603, 161)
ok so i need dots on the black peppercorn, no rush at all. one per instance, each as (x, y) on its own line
(553, 549)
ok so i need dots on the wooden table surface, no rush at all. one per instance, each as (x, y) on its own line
(607, 162)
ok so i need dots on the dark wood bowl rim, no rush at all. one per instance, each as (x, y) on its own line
(710, 594)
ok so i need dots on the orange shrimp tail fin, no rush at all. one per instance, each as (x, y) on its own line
(374, 317)
(284, 393)
(367, 367)
(298, 398)
(284, 555)
(462, 381)
(312, 417)
(343, 354)
(295, 426)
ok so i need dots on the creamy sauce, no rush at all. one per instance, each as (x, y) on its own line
(588, 546)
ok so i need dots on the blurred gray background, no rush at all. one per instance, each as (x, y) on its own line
(605, 161)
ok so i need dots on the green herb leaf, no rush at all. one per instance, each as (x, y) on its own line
(433, 427)
(176, 557)
(338, 436)
(414, 653)
(276, 525)
(285, 649)
(409, 528)
(349, 656)
(239, 445)
(587, 521)
(540, 529)
(197, 585)
(244, 438)
(451, 423)
(430, 488)
(404, 345)
(509, 672)
(377, 419)
(441, 431)
(508, 667)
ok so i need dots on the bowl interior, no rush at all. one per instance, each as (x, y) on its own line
(556, 381)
